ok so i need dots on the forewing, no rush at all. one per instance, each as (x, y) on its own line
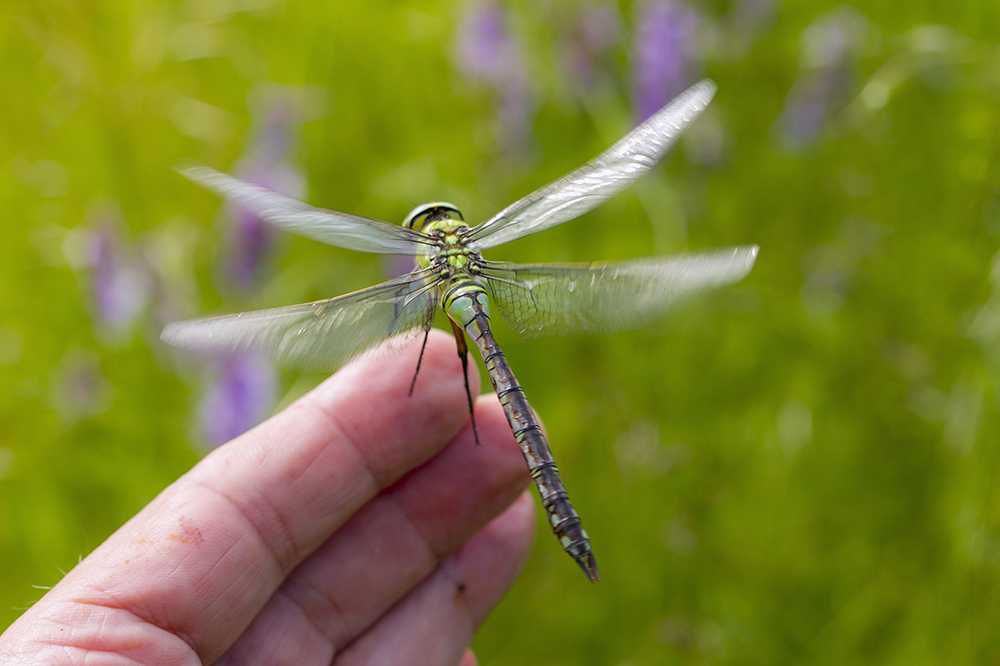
(552, 299)
(340, 229)
(322, 335)
(600, 179)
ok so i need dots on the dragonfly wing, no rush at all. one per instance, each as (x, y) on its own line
(600, 179)
(340, 229)
(318, 336)
(552, 299)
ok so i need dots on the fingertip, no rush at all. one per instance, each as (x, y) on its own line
(441, 356)
(438, 359)
(516, 525)
(496, 554)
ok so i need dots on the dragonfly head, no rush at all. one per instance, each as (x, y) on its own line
(425, 214)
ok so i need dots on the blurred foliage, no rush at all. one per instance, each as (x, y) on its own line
(801, 468)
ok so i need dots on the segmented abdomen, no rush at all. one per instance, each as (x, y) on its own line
(467, 303)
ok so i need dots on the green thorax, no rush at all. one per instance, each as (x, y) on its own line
(443, 221)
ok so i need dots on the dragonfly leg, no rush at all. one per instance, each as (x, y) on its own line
(419, 361)
(463, 353)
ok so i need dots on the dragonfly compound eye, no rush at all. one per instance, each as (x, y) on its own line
(425, 214)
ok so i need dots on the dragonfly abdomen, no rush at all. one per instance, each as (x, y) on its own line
(467, 304)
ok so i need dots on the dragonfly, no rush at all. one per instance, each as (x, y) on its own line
(451, 273)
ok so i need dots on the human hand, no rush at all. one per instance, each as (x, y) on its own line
(358, 526)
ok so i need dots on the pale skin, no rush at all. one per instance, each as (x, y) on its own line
(358, 526)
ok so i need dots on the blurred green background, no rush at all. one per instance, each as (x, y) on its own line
(798, 469)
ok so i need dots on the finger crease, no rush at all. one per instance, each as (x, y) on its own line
(331, 418)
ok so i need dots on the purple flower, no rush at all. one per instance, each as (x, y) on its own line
(240, 395)
(595, 30)
(487, 53)
(810, 104)
(485, 46)
(241, 387)
(249, 240)
(666, 53)
(600, 26)
(830, 46)
(119, 280)
(80, 389)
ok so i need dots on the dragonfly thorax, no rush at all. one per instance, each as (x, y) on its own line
(451, 258)
(448, 254)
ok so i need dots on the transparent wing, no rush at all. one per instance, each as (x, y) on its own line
(340, 229)
(600, 179)
(553, 299)
(322, 335)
